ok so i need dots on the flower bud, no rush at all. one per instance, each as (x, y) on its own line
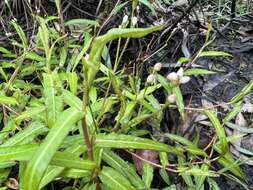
(172, 76)
(8, 34)
(125, 19)
(185, 79)
(172, 98)
(158, 66)
(134, 20)
(151, 79)
(87, 56)
(180, 72)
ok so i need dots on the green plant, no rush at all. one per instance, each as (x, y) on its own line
(57, 96)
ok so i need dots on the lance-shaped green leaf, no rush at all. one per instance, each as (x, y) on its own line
(114, 180)
(229, 163)
(118, 8)
(198, 71)
(148, 90)
(165, 176)
(163, 159)
(124, 168)
(73, 81)
(128, 141)
(42, 157)
(30, 112)
(43, 34)
(68, 160)
(93, 62)
(246, 90)
(149, 5)
(213, 185)
(27, 135)
(81, 22)
(53, 171)
(187, 179)
(61, 159)
(164, 82)
(52, 102)
(192, 148)
(148, 174)
(34, 56)
(197, 172)
(19, 152)
(200, 179)
(179, 101)
(20, 33)
(72, 100)
(231, 114)
(75, 173)
(99, 42)
(8, 100)
(219, 130)
(214, 54)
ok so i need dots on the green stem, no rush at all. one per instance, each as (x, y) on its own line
(87, 140)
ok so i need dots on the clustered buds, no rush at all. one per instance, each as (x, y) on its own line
(178, 77)
(151, 79)
(175, 77)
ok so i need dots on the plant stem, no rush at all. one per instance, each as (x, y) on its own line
(87, 140)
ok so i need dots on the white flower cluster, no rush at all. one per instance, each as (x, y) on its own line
(152, 78)
(178, 77)
(175, 77)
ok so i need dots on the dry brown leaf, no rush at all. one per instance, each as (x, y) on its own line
(149, 155)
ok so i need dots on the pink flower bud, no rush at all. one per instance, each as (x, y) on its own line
(172, 76)
(151, 79)
(158, 66)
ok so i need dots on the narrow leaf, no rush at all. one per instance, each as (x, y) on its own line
(114, 180)
(148, 174)
(123, 167)
(127, 141)
(219, 130)
(8, 100)
(42, 157)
